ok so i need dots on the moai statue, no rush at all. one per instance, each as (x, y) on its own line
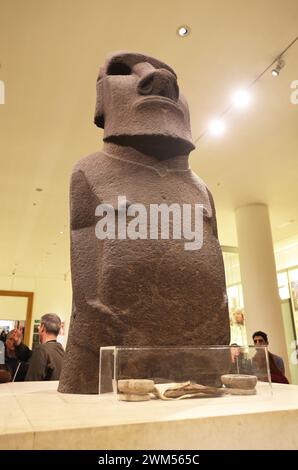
(139, 280)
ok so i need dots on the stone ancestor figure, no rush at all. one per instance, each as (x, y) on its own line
(144, 291)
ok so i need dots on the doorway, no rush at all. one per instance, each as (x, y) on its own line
(16, 312)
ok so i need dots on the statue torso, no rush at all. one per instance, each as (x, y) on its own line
(162, 292)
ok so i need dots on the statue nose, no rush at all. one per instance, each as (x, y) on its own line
(160, 82)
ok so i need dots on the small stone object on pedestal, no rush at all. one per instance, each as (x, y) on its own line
(237, 384)
(135, 389)
(180, 391)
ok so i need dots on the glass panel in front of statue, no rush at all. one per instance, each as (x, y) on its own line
(144, 374)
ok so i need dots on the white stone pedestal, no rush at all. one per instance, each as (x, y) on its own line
(33, 415)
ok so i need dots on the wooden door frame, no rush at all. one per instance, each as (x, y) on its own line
(30, 296)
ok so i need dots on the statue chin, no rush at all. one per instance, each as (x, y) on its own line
(161, 146)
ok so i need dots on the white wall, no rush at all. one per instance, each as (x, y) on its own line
(51, 295)
(286, 253)
(13, 308)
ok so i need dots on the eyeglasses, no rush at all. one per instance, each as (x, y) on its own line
(259, 341)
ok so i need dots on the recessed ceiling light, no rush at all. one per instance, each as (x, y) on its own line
(216, 127)
(38, 189)
(61, 233)
(241, 99)
(183, 31)
(34, 204)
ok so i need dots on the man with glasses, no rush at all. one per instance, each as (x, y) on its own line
(276, 363)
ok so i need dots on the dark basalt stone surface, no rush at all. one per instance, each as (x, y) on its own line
(144, 292)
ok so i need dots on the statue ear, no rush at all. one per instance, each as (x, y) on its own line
(99, 114)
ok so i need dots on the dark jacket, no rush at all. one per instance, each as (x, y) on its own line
(277, 375)
(46, 362)
(260, 368)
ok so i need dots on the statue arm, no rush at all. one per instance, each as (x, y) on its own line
(90, 313)
(82, 202)
(84, 245)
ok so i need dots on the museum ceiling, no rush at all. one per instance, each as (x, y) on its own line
(50, 53)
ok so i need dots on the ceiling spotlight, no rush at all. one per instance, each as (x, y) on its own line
(216, 127)
(241, 99)
(61, 233)
(279, 65)
(183, 31)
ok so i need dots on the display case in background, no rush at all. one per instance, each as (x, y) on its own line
(35, 338)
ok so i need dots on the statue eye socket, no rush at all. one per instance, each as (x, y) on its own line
(118, 68)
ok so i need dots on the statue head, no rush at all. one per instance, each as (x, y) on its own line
(139, 104)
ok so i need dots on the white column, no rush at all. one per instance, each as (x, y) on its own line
(258, 274)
